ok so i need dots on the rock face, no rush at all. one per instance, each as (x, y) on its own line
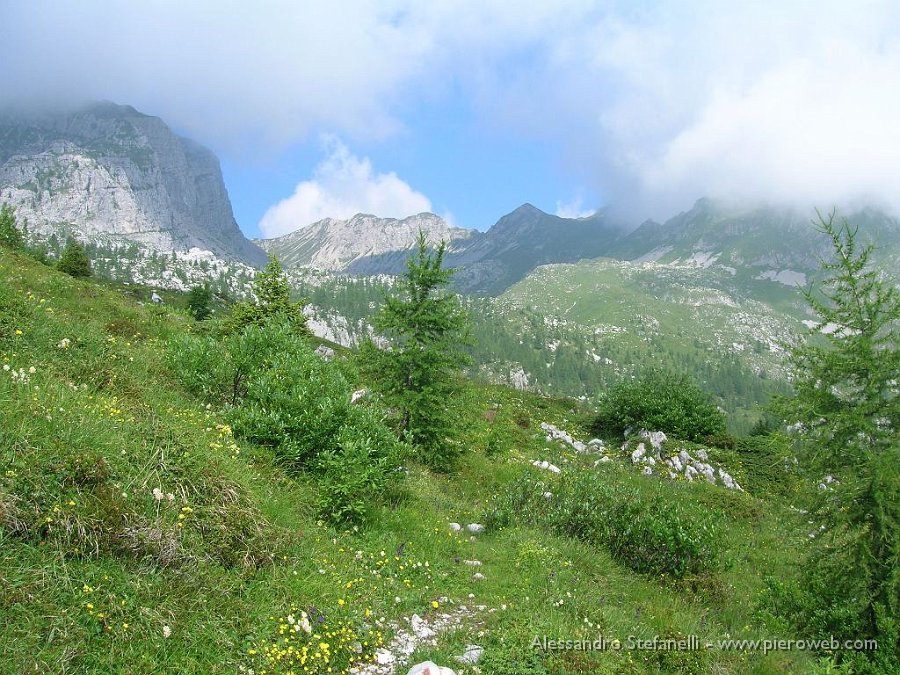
(364, 244)
(106, 173)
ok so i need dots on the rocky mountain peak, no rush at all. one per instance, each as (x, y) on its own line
(107, 172)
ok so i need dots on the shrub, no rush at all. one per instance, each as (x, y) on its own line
(366, 460)
(281, 395)
(660, 401)
(646, 525)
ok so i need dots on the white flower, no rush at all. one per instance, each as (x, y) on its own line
(305, 625)
(64, 343)
(32, 370)
(167, 631)
(6, 367)
(158, 494)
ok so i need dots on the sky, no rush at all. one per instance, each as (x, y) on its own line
(469, 108)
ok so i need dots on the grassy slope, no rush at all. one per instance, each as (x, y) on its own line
(92, 566)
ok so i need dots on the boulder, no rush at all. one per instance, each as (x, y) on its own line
(471, 656)
(326, 353)
(420, 627)
(547, 466)
(429, 668)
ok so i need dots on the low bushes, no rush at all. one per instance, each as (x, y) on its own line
(279, 394)
(644, 524)
(660, 400)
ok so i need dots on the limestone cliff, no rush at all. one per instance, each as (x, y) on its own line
(107, 172)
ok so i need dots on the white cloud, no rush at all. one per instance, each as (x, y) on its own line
(342, 186)
(573, 209)
(787, 102)
(656, 102)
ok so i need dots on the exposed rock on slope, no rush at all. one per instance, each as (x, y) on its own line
(112, 174)
(364, 244)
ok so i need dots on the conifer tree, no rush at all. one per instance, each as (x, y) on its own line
(198, 302)
(272, 302)
(10, 235)
(847, 376)
(426, 330)
(74, 260)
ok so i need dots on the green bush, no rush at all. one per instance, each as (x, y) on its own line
(279, 394)
(660, 401)
(366, 460)
(648, 526)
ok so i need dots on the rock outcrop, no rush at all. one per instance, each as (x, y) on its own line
(108, 173)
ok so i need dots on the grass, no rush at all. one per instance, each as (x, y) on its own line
(99, 573)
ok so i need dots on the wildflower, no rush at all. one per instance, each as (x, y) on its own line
(435, 604)
(167, 632)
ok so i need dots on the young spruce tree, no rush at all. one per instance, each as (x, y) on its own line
(426, 329)
(10, 235)
(74, 260)
(198, 302)
(273, 302)
(847, 377)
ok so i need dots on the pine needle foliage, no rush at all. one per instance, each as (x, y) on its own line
(10, 235)
(426, 330)
(273, 302)
(74, 260)
(847, 376)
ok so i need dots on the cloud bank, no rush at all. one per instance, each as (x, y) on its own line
(653, 103)
(342, 186)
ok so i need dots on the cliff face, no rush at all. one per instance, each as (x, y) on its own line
(364, 244)
(108, 172)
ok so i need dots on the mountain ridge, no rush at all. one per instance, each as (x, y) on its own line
(108, 172)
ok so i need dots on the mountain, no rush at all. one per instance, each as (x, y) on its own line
(364, 244)
(488, 262)
(770, 243)
(779, 243)
(525, 239)
(109, 173)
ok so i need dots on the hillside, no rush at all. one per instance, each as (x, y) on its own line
(139, 533)
(112, 175)
(576, 329)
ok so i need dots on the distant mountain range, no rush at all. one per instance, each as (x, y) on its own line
(488, 262)
(108, 173)
(779, 244)
(113, 175)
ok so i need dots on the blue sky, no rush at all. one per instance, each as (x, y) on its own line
(471, 107)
